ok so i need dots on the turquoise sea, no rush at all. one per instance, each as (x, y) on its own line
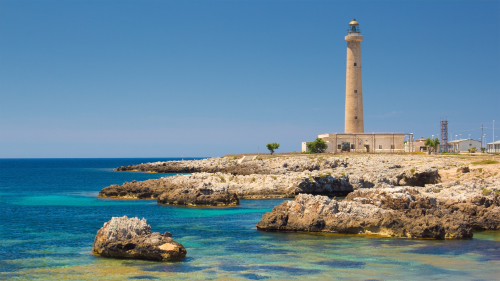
(51, 213)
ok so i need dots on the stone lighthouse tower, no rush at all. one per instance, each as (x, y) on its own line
(353, 91)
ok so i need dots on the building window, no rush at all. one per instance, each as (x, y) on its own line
(339, 146)
(354, 64)
(355, 117)
(392, 146)
(352, 146)
(355, 91)
(379, 146)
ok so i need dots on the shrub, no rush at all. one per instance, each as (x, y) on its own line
(322, 175)
(497, 191)
(317, 146)
(275, 177)
(222, 179)
(328, 173)
(480, 170)
(412, 171)
(253, 180)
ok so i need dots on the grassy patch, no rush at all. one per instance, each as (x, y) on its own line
(482, 162)
(486, 191)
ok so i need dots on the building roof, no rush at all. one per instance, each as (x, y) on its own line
(495, 142)
(367, 133)
(461, 140)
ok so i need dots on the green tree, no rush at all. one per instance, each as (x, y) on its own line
(432, 144)
(317, 146)
(272, 146)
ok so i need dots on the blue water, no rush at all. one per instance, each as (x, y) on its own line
(51, 213)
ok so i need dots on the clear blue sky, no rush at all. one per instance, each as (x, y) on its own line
(207, 78)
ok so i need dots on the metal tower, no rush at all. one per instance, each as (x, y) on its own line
(444, 135)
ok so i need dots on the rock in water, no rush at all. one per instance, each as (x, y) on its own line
(199, 197)
(321, 214)
(132, 238)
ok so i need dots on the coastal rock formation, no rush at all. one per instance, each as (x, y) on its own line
(330, 182)
(435, 211)
(478, 204)
(321, 214)
(228, 165)
(180, 188)
(200, 195)
(132, 238)
(183, 190)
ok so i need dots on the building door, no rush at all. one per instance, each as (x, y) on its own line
(367, 148)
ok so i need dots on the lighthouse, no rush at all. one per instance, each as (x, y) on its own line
(354, 122)
(354, 138)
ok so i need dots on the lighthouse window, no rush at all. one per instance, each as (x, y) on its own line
(355, 91)
(354, 64)
(356, 117)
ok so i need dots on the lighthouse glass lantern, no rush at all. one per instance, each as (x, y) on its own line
(353, 27)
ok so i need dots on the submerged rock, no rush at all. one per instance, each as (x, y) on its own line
(132, 238)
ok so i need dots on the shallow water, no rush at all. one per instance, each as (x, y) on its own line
(51, 215)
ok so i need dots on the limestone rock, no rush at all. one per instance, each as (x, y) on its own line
(132, 238)
(232, 166)
(203, 195)
(321, 214)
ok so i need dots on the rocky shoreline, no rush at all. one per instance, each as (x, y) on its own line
(283, 178)
(406, 212)
(410, 196)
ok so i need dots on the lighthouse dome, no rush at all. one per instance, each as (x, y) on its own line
(353, 22)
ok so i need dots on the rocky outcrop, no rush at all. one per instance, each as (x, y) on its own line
(434, 211)
(330, 182)
(199, 196)
(479, 204)
(132, 238)
(321, 214)
(180, 188)
(226, 165)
